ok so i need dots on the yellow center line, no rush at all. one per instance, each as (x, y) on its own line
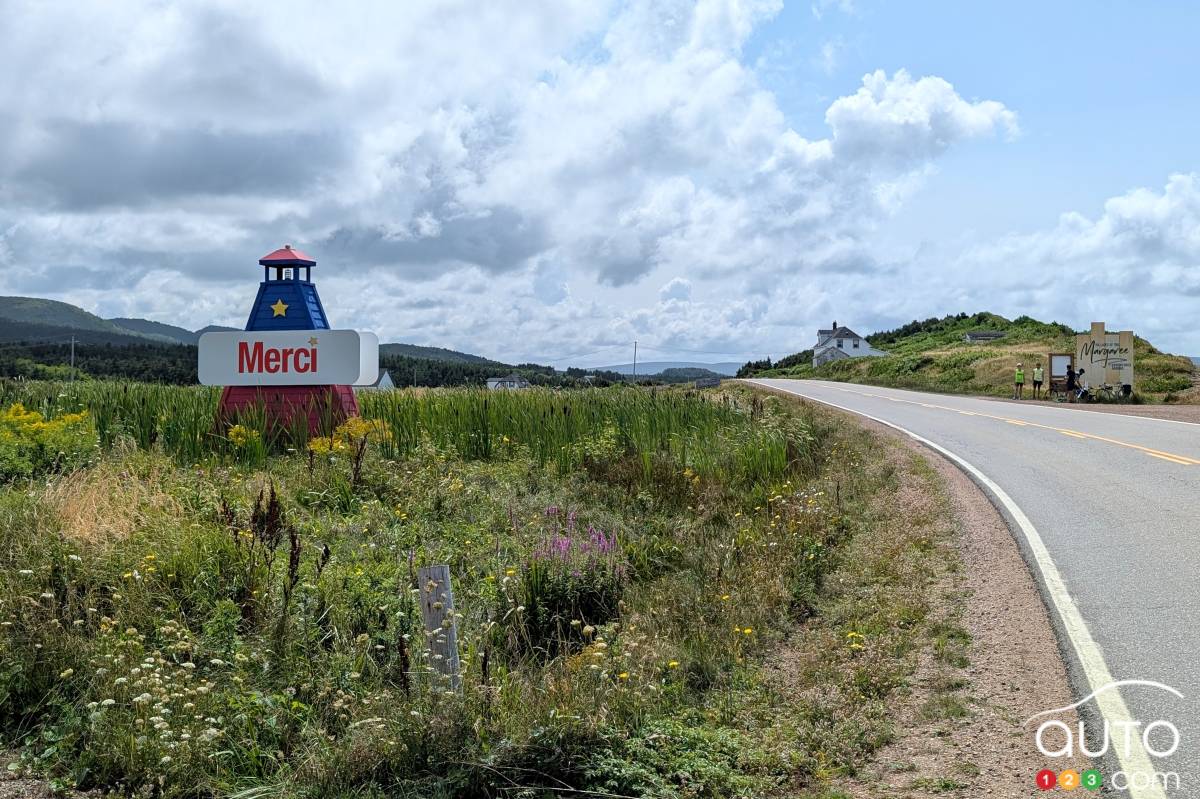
(1180, 461)
(1183, 460)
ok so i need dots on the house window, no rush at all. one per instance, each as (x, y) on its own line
(855, 343)
(841, 343)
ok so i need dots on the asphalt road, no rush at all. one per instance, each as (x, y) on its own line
(1116, 501)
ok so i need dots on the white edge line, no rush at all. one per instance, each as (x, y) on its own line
(1110, 704)
(832, 383)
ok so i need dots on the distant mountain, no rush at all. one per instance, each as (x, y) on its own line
(39, 321)
(32, 333)
(684, 374)
(431, 353)
(727, 369)
(157, 330)
(215, 329)
(52, 313)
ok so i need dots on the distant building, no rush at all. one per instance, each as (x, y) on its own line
(513, 381)
(383, 381)
(974, 336)
(841, 342)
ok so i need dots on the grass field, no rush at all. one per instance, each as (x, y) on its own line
(191, 612)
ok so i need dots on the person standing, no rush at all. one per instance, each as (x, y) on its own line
(1038, 375)
(1019, 382)
(1072, 383)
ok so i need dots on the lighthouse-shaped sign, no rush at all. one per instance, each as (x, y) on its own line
(288, 360)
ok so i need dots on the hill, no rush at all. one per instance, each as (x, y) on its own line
(157, 330)
(682, 374)
(932, 355)
(725, 369)
(52, 313)
(432, 354)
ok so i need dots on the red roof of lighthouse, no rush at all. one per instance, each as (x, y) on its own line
(286, 256)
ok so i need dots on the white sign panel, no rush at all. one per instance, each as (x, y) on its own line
(289, 358)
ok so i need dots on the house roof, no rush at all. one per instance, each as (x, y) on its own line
(841, 331)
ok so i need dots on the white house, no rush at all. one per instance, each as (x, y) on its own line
(841, 342)
(513, 381)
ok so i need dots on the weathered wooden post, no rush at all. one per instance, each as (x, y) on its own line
(441, 627)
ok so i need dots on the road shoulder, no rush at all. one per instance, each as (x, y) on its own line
(959, 730)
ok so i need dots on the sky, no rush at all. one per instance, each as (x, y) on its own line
(551, 180)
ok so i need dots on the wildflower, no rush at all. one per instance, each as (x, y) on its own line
(623, 675)
(588, 629)
(674, 664)
(108, 703)
(65, 673)
(26, 572)
(724, 597)
(748, 631)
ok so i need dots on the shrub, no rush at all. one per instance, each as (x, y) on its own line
(31, 444)
(569, 583)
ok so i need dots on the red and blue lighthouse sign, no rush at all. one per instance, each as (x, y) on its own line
(289, 360)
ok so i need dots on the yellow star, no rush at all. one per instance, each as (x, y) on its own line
(313, 341)
(280, 308)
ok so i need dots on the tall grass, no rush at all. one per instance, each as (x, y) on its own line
(718, 436)
(722, 436)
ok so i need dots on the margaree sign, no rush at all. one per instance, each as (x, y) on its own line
(289, 358)
(1106, 355)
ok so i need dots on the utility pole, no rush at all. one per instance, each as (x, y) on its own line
(635, 361)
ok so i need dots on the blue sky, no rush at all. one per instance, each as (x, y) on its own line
(1106, 94)
(716, 179)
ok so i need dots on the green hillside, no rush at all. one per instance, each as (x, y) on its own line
(932, 355)
(431, 354)
(52, 313)
(157, 330)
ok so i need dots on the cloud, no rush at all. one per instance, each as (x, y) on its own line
(897, 122)
(1135, 265)
(677, 288)
(509, 180)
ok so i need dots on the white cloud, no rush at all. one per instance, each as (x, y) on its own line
(508, 180)
(677, 288)
(898, 121)
(1136, 265)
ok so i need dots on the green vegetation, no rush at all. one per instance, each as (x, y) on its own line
(932, 355)
(37, 311)
(232, 612)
